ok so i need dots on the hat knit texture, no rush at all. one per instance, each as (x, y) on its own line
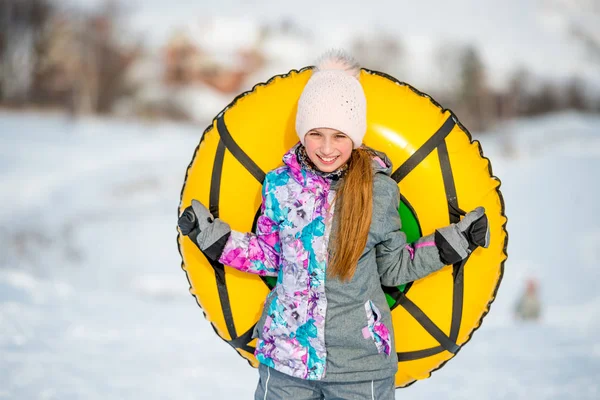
(333, 98)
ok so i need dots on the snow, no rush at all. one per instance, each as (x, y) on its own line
(94, 305)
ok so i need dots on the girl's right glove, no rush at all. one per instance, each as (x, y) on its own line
(456, 241)
(208, 233)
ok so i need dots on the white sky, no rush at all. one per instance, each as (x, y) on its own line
(509, 33)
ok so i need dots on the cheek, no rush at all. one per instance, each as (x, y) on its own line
(344, 158)
(310, 143)
(310, 149)
(346, 152)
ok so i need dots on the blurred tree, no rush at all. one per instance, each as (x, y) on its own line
(110, 56)
(380, 51)
(464, 87)
(518, 94)
(84, 61)
(23, 27)
(182, 59)
(575, 96)
(529, 96)
(547, 99)
(475, 97)
(448, 57)
(580, 19)
(54, 56)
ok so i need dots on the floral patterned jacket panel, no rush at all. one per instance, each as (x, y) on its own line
(291, 243)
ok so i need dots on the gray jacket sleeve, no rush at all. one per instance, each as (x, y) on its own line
(398, 262)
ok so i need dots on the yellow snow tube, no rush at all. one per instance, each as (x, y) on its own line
(438, 168)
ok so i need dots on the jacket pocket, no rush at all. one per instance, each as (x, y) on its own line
(258, 328)
(376, 329)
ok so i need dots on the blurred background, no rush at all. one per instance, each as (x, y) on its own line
(102, 104)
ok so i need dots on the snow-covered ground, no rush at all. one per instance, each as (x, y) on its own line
(94, 305)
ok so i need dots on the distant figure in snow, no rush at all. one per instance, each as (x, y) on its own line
(529, 306)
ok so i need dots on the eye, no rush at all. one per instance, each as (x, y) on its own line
(314, 133)
(339, 136)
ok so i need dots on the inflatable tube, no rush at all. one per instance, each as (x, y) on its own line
(439, 169)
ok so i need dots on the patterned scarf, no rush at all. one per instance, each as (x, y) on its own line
(307, 164)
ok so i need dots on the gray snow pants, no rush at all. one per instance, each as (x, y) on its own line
(274, 385)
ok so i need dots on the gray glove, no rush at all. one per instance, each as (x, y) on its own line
(456, 241)
(208, 233)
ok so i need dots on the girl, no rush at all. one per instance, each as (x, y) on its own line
(329, 230)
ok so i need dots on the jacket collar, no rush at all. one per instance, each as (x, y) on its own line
(380, 164)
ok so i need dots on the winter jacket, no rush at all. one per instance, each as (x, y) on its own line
(319, 328)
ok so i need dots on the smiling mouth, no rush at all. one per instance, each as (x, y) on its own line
(327, 160)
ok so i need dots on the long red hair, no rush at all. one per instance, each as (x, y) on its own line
(353, 209)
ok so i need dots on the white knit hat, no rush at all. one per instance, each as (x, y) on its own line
(333, 98)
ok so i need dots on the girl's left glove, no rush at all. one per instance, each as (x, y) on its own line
(208, 233)
(456, 241)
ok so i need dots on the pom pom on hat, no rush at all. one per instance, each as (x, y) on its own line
(333, 98)
(338, 60)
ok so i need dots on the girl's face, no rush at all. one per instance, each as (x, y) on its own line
(328, 148)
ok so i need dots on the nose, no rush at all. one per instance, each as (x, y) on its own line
(327, 146)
